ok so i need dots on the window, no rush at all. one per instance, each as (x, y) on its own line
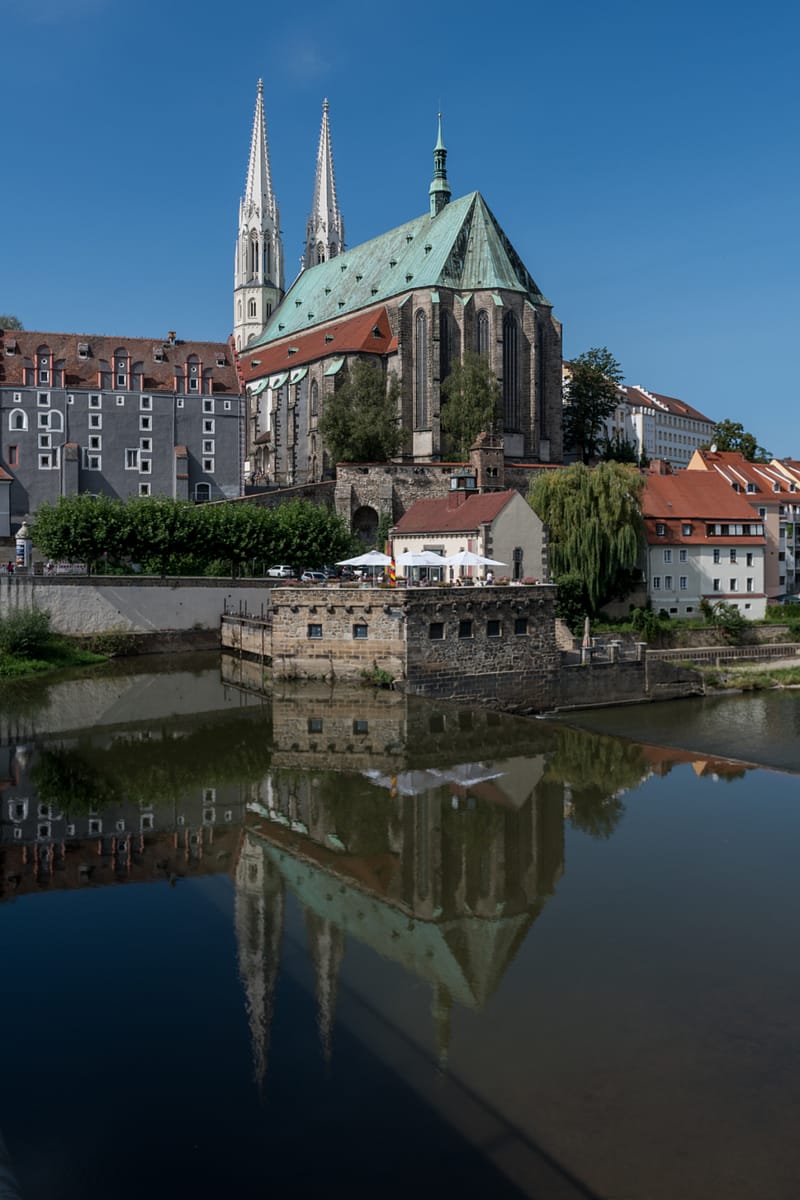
(511, 387)
(96, 442)
(208, 446)
(686, 530)
(226, 404)
(95, 825)
(315, 631)
(660, 529)
(208, 465)
(44, 420)
(715, 585)
(315, 724)
(656, 583)
(145, 403)
(465, 629)
(251, 308)
(145, 422)
(18, 397)
(202, 492)
(734, 585)
(716, 554)
(520, 626)
(748, 585)
(421, 418)
(18, 421)
(95, 402)
(144, 489)
(749, 559)
(733, 554)
(208, 426)
(493, 628)
(91, 462)
(131, 460)
(668, 583)
(120, 401)
(45, 462)
(436, 631)
(13, 456)
(683, 555)
(146, 444)
(95, 420)
(208, 406)
(193, 382)
(145, 465)
(43, 399)
(667, 556)
(684, 582)
(179, 403)
(360, 632)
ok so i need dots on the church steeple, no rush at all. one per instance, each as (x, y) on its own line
(325, 227)
(439, 191)
(258, 272)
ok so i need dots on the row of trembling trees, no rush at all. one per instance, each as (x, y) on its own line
(161, 536)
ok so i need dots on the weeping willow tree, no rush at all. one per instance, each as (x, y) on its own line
(595, 522)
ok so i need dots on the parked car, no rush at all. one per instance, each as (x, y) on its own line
(280, 572)
(313, 577)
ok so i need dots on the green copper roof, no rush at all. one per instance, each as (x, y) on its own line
(463, 248)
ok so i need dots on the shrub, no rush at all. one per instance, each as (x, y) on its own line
(25, 634)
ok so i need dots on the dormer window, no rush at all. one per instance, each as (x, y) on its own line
(43, 366)
(751, 487)
(660, 529)
(83, 349)
(158, 354)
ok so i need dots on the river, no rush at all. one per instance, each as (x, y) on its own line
(270, 944)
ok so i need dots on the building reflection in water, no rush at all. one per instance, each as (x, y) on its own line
(432, 836)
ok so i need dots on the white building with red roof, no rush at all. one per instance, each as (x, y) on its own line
(499, 525)
(659, 426)
(704, 541)
(773, 492)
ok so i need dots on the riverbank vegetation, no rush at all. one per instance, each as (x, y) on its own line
(742, 678)
(160, 536)
(28, 646)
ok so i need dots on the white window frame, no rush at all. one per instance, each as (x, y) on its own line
(208, 406)
(146, 445)
(208, 446)
(144, 489)
(208, 426)
(145, 422)
(145, 465)
(145, 403)
(208, 466)
(131, 459)
(95, 400)
(95, 420)
(92, 461)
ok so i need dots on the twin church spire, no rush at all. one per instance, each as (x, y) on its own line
(258, 273)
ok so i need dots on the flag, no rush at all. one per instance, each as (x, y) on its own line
(392, 574)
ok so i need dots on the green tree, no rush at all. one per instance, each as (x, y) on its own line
(732, 436)
(619, 449)
(11, 323)
(81, 528)
(595, 521)
(591, 393)
(470, 401)
(360, 422)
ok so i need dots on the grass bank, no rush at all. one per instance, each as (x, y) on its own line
(756, 678)
(28, 647)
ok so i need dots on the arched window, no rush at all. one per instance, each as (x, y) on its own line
(510, 372)
(483, 332)
(267, 260)
(251, 308)
(202, 492)
(314, 399)
(253, 256)
(239, 310)
(18, 421)
(445, 344)
(320, 252)
(56, 421)
(421, 418)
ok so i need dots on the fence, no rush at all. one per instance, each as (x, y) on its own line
(720, 654)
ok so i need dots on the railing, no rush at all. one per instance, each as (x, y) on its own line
(718, 654)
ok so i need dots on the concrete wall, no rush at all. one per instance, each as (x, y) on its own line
(130, 604)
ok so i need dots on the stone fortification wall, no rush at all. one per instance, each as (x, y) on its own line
(332, 632)
(129, 604)
(497, 643)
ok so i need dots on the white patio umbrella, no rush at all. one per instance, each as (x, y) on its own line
(372, 558)
(420, 558)
(468, 558)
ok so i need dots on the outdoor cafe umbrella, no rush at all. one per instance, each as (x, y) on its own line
(420, 558)
(372, 558)
(468, 558)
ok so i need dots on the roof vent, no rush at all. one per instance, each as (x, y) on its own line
(374, 291)
(221, 361)
(341, 304)
(327, 291)
(375, 331)
(328, 337)
(343, 266)
(281, 326)
(297, 303)
(392, 262)
(409, 276)
(359, 277)
(172, 337)
(428, 247)
(292, 350)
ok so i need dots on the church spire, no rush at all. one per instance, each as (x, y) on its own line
(325, 227)
(258, 270)
(439, 190)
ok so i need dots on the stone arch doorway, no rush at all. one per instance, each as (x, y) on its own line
(365, 523)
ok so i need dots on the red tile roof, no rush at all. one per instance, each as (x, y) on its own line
(735, 469)
(693, 498)
(366, 333)
(81, 370)
(641, 397)
(446, 515)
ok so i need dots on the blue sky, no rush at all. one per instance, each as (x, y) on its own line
(642, 159)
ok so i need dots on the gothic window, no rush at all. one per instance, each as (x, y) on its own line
(421, 419)
(254, 256)
(251, 308)
(267, 261)
(239, 311)
(445, 344)
(18, 421)
(320, 252)
(314, 399)
(483, 332)
(510, 372)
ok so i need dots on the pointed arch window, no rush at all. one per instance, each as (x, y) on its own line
(510, 372)
(320, 252)
(254, 256)
(251, 308)
(421, 419)
(445, 344)
(483, 332)
(239, 311)
(314, 399)
(267, 261)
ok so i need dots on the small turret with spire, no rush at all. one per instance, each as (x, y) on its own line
(325, 227)
(258, 271)
(439, 191)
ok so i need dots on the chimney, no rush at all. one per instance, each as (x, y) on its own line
(171, 337)
(660, 466)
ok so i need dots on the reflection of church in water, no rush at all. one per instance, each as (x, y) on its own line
(439, 869)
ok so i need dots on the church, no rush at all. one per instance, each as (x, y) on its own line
(414, 299)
